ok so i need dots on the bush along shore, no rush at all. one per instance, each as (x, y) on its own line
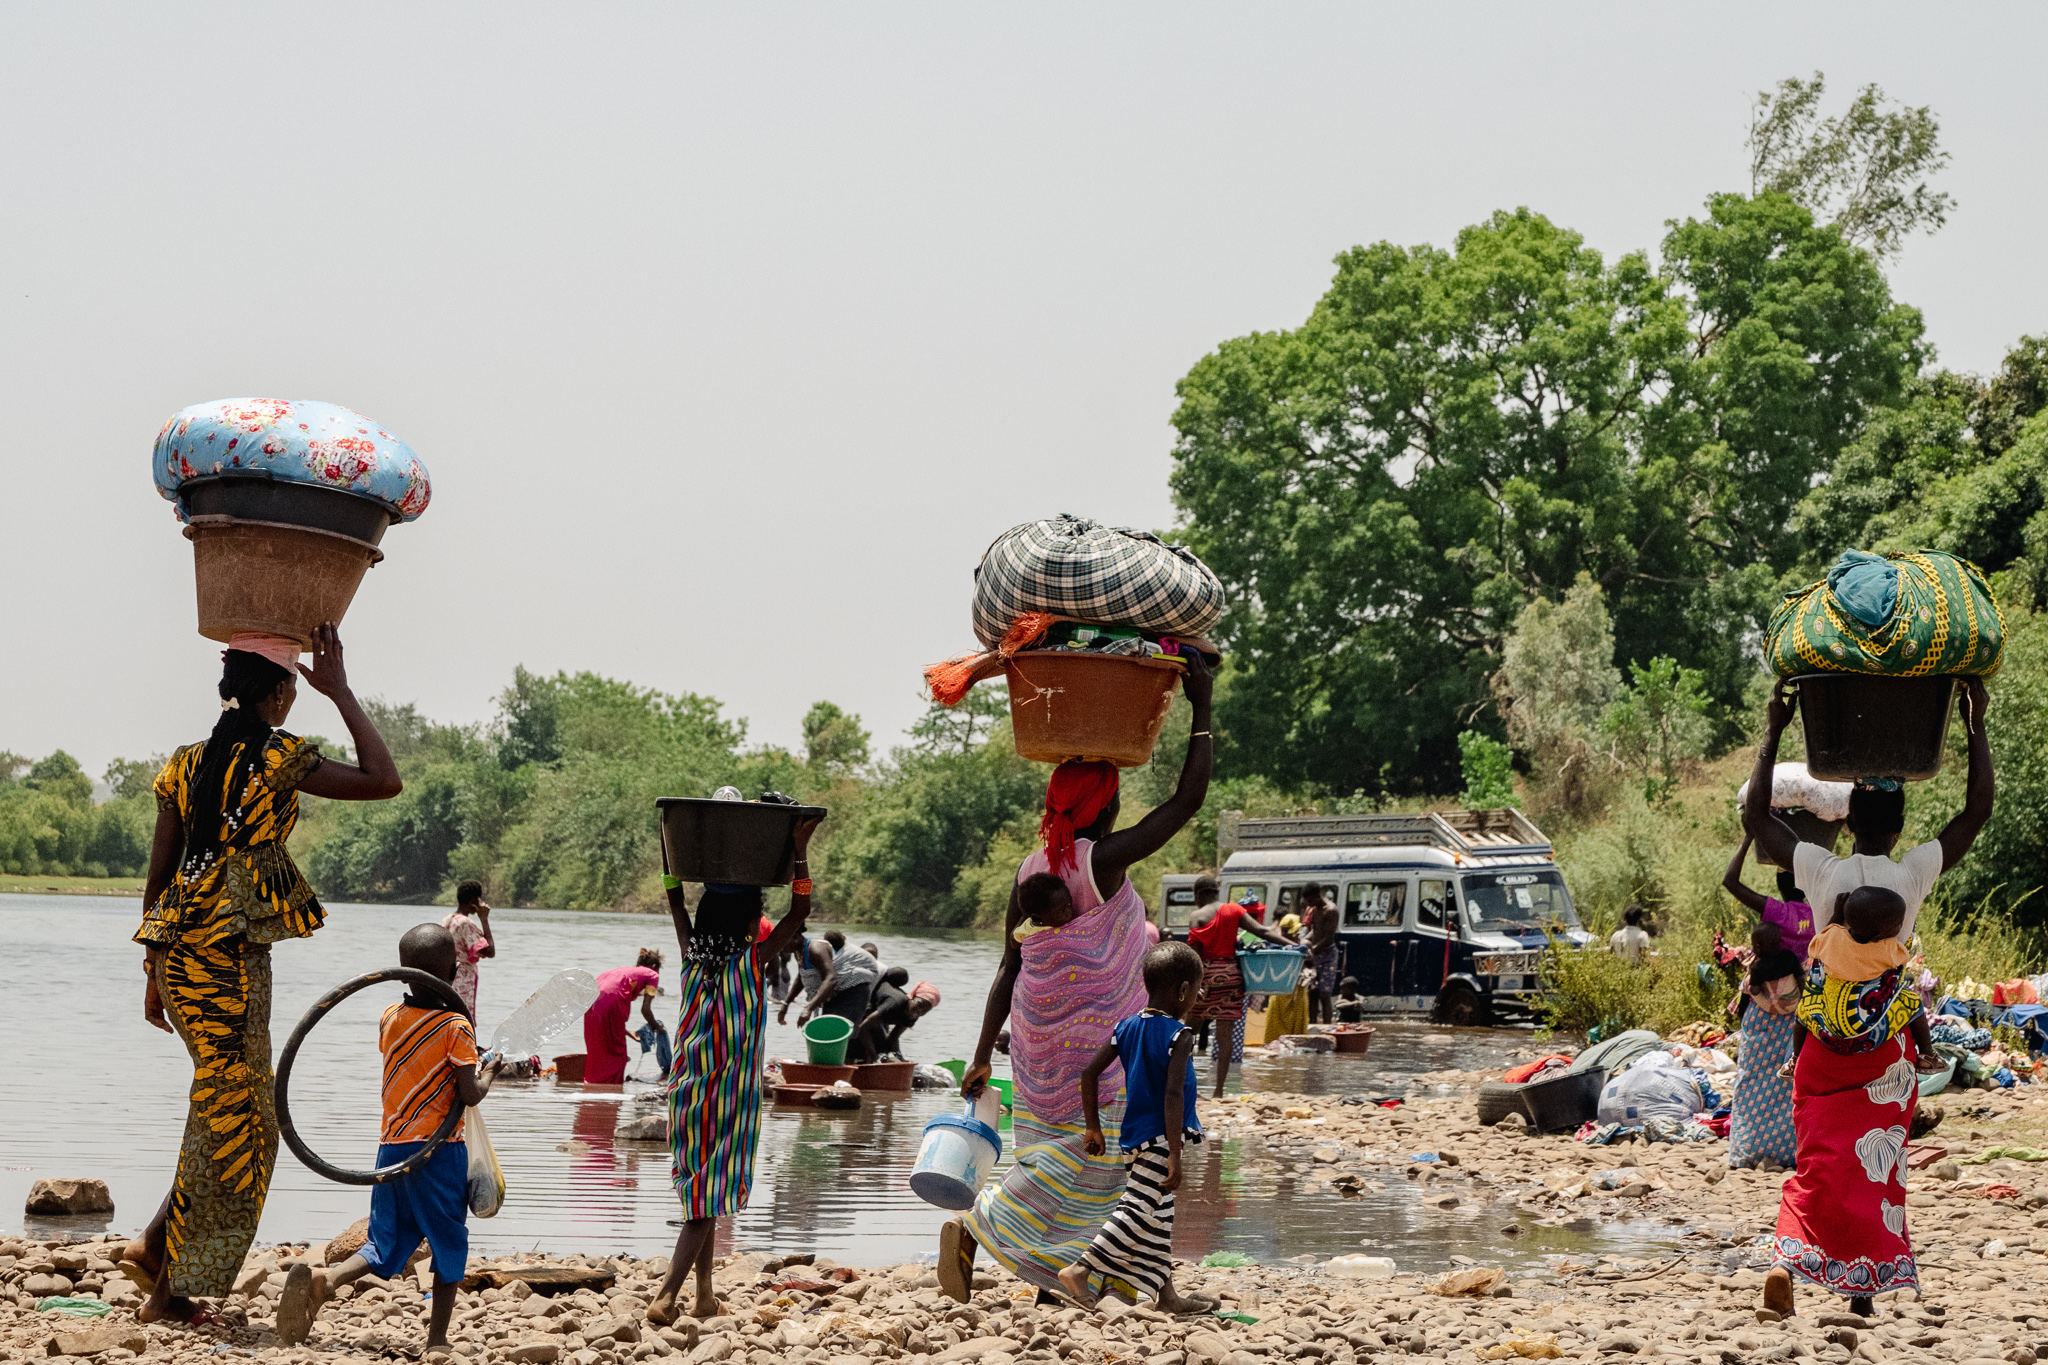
(1689, 1293)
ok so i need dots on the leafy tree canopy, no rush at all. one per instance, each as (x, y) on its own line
(1453, 434)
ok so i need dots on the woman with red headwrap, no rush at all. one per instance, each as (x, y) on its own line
(1073, 952)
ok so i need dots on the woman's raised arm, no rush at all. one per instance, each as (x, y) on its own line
(373, 776)
(1116, 852)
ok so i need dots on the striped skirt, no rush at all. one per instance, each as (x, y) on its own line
(1136, 1244)
(1040, 1218)
(714, 1090)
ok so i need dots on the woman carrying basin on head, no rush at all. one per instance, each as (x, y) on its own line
(1074, 947)
(222, 889)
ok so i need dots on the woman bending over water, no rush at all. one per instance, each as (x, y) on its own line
(222, 889)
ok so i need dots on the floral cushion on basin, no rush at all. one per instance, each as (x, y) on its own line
(294, 439)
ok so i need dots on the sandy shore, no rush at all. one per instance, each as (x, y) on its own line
(1981, 1298)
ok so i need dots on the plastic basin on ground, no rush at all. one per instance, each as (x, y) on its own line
(1355, 1041)
(569, 1067)
(807, 1073)
(825, 1039)
(884, 1075)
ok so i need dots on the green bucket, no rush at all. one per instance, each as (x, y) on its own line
(1002, 1087)
(825, 1038)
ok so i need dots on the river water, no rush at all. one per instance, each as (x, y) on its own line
(95, 1091)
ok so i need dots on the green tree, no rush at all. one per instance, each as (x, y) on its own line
(1453, 434)
(127, 777)
(1658, 726)
(1864, 170)
(1556, 681)
(835, 742)
(59, 776)
(1489, 770)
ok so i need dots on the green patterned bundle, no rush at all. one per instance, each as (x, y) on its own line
(1918, 614)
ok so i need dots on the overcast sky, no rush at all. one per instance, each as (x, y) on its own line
(732, 335)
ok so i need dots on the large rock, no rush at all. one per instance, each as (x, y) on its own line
(349, 1243)
(46, 1286)
(646, 1128)
(70, 1196)
(90, 1341)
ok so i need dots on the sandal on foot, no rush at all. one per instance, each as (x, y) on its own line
(136, 1264)
(296, 1306)
(954, 1269)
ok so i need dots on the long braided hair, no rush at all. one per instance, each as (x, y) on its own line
(234, 751)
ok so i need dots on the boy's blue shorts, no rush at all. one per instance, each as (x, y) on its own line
(432, 1202)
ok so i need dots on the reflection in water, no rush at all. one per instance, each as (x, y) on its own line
(831, 1183)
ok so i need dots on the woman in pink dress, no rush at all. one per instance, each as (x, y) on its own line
(604, 1024)
(1073, 966)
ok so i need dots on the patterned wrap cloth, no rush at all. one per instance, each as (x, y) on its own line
(1076, 983)
(714, 1089)
(1943, 620)
(294, 440)
(1842, 1216)
(1100, 575)
(215, 924)
(1760, 1118)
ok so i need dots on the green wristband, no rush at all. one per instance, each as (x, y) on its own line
(669, 883)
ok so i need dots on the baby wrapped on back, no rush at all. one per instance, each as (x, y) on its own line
(1856, 996)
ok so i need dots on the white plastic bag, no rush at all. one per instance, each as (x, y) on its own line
(486, 1176)
(1651, 1090)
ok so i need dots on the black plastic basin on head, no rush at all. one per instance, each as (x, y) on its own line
(1861, 725)
(258, 497)
(745, 843)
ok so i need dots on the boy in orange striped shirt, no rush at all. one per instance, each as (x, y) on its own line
(430, 1063)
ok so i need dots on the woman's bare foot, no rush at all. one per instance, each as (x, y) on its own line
(1074, 1280)
(956, 1261)
(708, 1304)
(140, 1267)
(1777, 1304)
(662, 1311)
(1861, 1306)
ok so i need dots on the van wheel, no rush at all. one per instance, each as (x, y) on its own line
(1460, 1005)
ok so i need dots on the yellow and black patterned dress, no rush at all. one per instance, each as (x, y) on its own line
(215, 925)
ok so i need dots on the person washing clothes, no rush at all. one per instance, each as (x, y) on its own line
(604, 1023)
(430, 1064)
(1157, 1051)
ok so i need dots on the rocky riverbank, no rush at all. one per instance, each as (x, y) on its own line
(1974, 1227)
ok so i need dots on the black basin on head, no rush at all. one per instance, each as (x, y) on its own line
(255, 496)
(744, 843)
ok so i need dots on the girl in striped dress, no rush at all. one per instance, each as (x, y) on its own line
(1156, 1049)
(714, 1087)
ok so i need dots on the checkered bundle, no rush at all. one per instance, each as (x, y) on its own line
(1108, 575)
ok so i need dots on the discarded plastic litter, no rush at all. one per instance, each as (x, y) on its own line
(1226, 1258)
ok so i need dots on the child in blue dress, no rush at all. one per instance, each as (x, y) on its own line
(1157, 1051)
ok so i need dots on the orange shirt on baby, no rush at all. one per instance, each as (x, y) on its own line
(1843, 958)
(421, 1050)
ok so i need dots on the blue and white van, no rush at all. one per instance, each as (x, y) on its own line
(1445, 913)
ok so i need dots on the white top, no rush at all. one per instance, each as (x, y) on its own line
(1825, 878)
(1630, 942)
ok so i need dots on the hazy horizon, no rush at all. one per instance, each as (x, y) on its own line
(731, 337)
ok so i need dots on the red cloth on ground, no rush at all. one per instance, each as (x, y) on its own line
(604, 1023)
(1076, 795)
(1515, 1075)
(1842, 1215)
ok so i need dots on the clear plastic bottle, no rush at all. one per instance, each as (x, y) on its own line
(560, 1002)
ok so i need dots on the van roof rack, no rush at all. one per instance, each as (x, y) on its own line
(1500, 832)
